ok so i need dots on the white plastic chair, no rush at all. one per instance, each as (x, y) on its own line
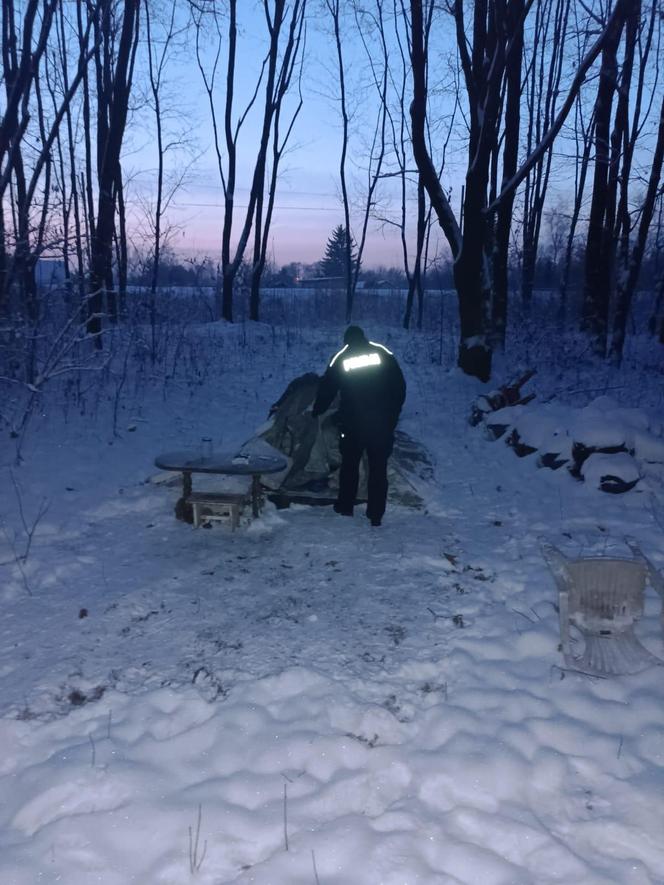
(603, 598)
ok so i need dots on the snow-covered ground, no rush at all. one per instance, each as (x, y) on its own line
(310, 700)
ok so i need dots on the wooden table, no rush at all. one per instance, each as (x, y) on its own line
(188, 462)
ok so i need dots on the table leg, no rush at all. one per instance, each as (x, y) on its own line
(255, 494)
(184, 511)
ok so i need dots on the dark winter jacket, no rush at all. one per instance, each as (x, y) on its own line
(372, 389)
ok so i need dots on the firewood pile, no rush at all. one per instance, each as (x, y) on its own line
(605, 445)
(508, 395)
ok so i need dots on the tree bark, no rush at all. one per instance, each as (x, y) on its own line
(333, 7)
(596, 296)
(629, 277)
(20, 71)
(503, 223)
(291, 55)
(470, 269)
(113, 90)
(544, 90)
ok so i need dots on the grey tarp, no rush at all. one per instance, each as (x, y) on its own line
(312, 448)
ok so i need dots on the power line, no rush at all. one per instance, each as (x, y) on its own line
(244, 206)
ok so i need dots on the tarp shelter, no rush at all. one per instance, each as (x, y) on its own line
(311, 446)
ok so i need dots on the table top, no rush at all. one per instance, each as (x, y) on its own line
(220, 462)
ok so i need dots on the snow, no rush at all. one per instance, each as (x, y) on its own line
(340, 704)
(599, 466)
(474, 341)
(648, 447)
(543, 428)
(603, 424)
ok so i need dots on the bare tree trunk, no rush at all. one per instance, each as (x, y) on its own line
(657, 319)
(618, 169)
(333, 7)
(291, 56)
(155, 71)
(544, 89)
(483, 62)
(45, 206)
(276, 63)
(258, 262)
(415, 279)
(122, 252)
(114, 79)
(228, 271)
(402, 147)
(483, 83)
(629, 277)
(596, 293)
(73, 184)
(86, 183)
(503, 223)
(614, 22)
(20, 71)
(580, 175)
(376, 156)
(61, 185)
(4, 282)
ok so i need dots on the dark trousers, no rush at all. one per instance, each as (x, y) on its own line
(378, 451)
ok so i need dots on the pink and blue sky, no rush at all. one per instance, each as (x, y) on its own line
(308, 204)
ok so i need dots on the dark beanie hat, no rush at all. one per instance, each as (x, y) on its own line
(354, 335)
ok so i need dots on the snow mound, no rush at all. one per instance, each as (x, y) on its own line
(611, 473)
(648, 448)
(588, 440)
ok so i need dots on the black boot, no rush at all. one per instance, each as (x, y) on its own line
(341, 510)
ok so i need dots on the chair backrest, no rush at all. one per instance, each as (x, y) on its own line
(605, 590)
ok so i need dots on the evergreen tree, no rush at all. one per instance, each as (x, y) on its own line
(333, 263)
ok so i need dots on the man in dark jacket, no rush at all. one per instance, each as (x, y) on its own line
(373, 390)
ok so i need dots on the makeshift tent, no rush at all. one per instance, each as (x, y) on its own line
(311, 446)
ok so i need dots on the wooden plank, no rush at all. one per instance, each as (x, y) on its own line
(218, 498)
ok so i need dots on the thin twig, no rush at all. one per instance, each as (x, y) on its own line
(286, 816)
(313, 861)
(29, 530)
(196, 862)
(524, 615)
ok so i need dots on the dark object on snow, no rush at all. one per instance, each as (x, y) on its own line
(581, 453)
(507, 395)
(495, 431)
(377, 453)
(521, 448)
(183, 511)
(615, 485)
(615, 474)
(296, 398)
(312, 447)
(371, 390)
(552, 460)
(294, 433)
